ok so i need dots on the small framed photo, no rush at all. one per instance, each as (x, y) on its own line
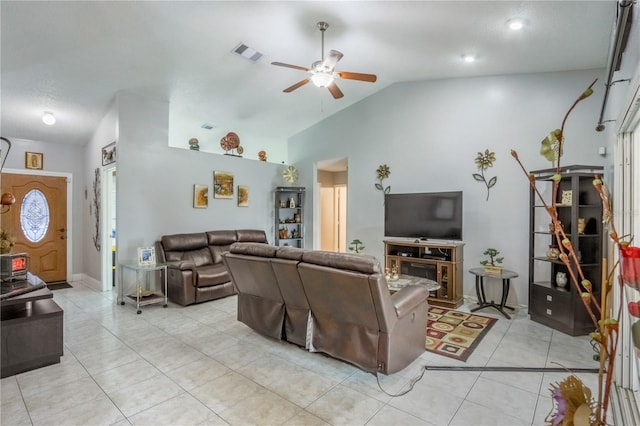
(146, 256)
(109, 154)
(243, 196)
(33, 160)
(200, 196)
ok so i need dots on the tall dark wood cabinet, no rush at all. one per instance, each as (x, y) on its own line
(289, 216)
(580, 211)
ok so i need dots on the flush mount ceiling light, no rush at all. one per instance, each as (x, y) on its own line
(48, 118)
(468, 58)
(515, 24)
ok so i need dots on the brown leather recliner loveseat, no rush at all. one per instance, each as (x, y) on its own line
(195, 272)
(335, 303)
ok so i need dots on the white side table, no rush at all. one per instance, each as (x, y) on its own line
(139, 292)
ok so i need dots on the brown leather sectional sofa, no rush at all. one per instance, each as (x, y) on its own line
(195, 272)
(335, 303)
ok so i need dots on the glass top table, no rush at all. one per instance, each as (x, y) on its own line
(404, 280)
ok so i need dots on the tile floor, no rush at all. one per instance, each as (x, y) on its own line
(197, 365)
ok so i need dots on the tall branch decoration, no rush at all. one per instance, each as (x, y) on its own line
(573, 401)
(383, 173)
(484, 161)
(96, 208)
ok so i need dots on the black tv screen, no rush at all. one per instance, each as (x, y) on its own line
(428, 215)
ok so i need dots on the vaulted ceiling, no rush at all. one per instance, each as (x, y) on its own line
(71, 58)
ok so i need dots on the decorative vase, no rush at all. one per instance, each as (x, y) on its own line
(630, 266)
(561, 279)
(582, 224)
(553, 253)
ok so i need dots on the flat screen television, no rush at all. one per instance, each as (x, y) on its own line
(427, 215)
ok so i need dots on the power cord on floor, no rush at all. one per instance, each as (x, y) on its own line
(411, 384)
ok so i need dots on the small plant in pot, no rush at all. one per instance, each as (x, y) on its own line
(356, 245)
(491, 265)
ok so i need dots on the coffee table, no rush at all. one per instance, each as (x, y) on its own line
(404, 280)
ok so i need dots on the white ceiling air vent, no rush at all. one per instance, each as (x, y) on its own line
(208, 126)
(247, 52)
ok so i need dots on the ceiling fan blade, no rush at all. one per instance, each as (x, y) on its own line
(371, 78)
(335, 91)
(331, 60)
(295, 67)
(297, 85)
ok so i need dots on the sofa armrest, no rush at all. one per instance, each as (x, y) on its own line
(181, 265)
(406, 300)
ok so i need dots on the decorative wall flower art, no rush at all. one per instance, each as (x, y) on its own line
(484, 161)
(383, 172)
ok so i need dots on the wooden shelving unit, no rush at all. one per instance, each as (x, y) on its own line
(289, 216)
(556, 306)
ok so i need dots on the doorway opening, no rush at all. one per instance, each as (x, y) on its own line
(108, 229)
(332, 185)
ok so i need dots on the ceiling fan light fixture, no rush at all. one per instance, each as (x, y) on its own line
(48, 118)
(322, 79)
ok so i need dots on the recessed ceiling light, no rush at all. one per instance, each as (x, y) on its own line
(468, 58)
(48, 118)
(515, 24)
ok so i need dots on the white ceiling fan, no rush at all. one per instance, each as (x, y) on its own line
(323, 71)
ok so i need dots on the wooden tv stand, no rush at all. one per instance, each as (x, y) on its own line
(437, 260)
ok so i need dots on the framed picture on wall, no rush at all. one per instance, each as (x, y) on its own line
(200, 196)
(146, 256)
(33, 160)
(109, 154)
(243, 196)
(223, 185)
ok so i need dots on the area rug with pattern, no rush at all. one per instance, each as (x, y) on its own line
(455, 334)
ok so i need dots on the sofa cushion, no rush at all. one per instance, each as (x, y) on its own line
(209, 275)
(184, 242)
(251, 235)
(219, 242)
(350, 262)
(253, 249)
(290, 253)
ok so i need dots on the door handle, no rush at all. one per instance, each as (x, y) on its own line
(61, 229)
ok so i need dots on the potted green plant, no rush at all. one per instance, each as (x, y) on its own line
(491, 265)
(356, 245)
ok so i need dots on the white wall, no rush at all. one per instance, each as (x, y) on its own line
(155, 182)
(105, 133)
(184, 125)
(429, 134)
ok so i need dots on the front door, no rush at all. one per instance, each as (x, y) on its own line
(38, 222)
